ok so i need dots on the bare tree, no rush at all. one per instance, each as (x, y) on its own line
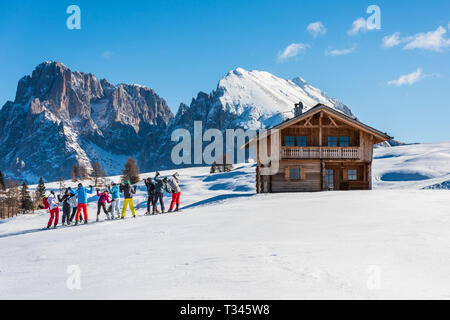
(84, 173)
(97, 172)
(75, 172)
(131, 171)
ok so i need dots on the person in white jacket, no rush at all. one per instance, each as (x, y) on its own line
(73, 201)
(54, 210)
(174, 185)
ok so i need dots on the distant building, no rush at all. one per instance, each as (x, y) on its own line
(320, 149)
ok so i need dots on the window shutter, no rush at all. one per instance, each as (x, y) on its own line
(302, 174)
(286, 174)
(345, 174)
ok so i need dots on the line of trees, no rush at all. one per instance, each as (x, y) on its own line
(130, 173)
(15, 198)
(80, 172)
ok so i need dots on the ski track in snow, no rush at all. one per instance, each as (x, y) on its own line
(228, 243)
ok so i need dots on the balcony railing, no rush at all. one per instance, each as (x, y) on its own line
(320, 152)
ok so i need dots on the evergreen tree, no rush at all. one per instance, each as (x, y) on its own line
(97, 172)
(41, 188)
(2, 182)
(131, 171)
(75, 172)
(27, 202)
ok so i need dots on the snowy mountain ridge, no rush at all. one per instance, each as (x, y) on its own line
(59, 116)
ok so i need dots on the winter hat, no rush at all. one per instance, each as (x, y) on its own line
(80, 185)
(127, 182)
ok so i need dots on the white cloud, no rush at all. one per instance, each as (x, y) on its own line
(339, 52)
(292, 50)
(408, 78)
(359, 25)
(392, 40)
(316, 29)
(433, 40)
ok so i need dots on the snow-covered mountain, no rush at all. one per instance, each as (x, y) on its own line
(254, 100)
(60, 117)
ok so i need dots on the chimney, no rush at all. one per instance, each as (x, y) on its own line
(298, 110)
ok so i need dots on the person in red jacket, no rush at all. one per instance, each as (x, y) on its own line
(101, 204)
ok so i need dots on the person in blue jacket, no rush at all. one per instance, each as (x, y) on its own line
(82, 201)
(115, 196)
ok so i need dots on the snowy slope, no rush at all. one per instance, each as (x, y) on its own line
(413, 166)
(230, 243)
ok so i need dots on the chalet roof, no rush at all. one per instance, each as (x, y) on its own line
(345, 118)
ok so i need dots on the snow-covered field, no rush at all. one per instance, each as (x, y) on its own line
(392, 242)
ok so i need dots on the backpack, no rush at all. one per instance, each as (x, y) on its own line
(45, 202)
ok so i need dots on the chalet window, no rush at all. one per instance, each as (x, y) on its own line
(290, 141)
(295, 173)
(352, 174)
(344, 141)
(301, 141)
(332, 141)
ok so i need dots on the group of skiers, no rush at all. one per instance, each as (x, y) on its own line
(74, 202)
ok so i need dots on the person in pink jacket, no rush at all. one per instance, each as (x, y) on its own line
(103, 198)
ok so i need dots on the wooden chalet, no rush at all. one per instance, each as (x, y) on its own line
(320, 149)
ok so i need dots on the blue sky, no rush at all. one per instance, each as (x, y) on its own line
(182, 47)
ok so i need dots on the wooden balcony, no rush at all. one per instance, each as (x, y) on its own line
(320, 152)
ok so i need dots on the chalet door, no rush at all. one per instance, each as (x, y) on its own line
(329, 179)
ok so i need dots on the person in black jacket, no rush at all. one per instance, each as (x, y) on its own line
(66, 207)
(128, 192)
(160, 187)
(151, 194)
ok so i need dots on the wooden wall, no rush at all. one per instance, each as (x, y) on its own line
(309, 184)
(366, 146)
